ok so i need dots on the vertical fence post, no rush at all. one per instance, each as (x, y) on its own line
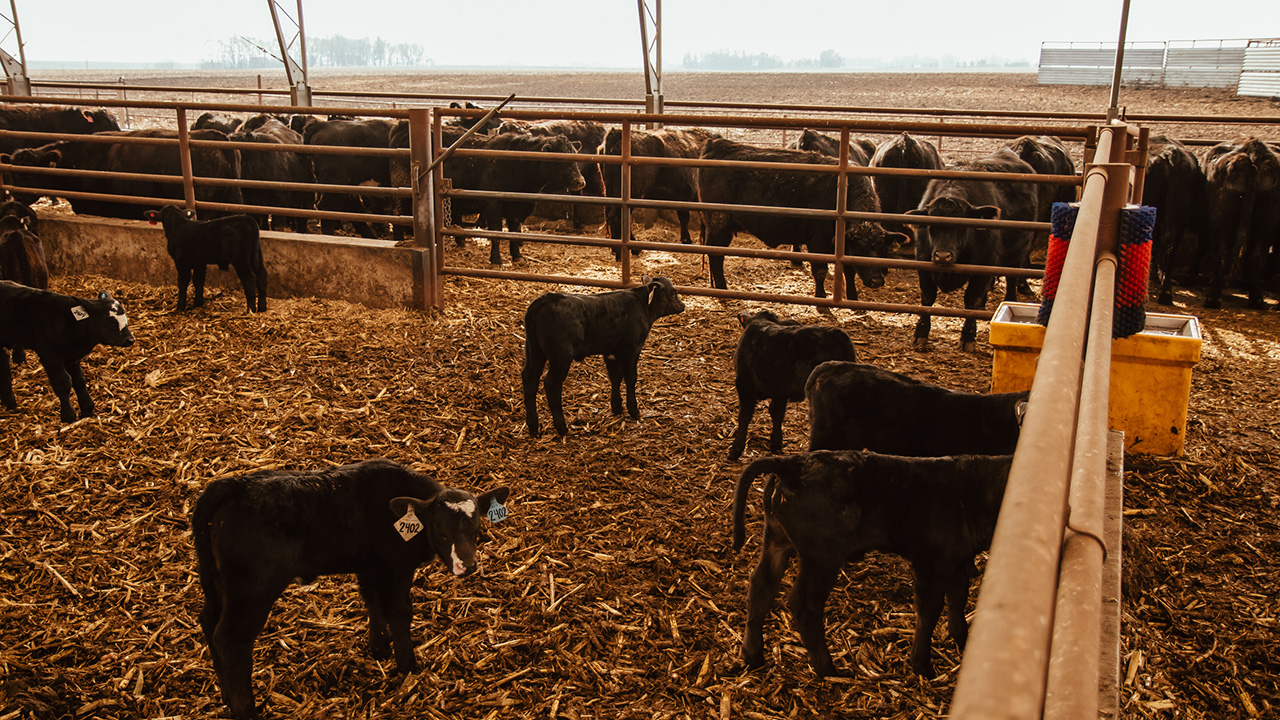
(424, 226)
(624, 194)
(184, 155)
(838, 291)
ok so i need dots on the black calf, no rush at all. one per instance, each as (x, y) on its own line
(562, 327)
(254, 534)
(773, 361)
(831, 508)
(227, 241)
(61, 330)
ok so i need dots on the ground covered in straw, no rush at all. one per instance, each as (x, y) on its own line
(611, 591)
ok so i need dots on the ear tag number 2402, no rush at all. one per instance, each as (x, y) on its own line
(408, 525)
(497, 511)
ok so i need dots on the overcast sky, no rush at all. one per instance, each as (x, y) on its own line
(605, 33)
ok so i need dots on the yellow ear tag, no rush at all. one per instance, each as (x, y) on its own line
(408, 525)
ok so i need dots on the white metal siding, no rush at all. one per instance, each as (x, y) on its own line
(1250, 66)
(1260, 76)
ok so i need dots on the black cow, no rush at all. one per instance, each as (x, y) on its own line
(207, 162)
(951, 245)
(855, 406)
(814, 141)
(792, 190)
(80, 121)
(588, 135)
(254, 534)
(349, 169)
(1243, 177)
(226, 241)
(61, 330)
(773, 360)
(223, 123)
(831, 508)
(275, 167)
(899, 194)
(1047, 156)
(1175, 186)
(466, 123)
(563, 327)
(654, 182)
(502, 174)
(398, 170)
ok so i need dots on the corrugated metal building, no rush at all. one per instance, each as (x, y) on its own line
(1260, 75)
(1250, 66)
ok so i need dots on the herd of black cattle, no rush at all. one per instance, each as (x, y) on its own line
(869, 481)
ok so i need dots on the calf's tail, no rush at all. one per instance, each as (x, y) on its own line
(763, 466)
(215, 495)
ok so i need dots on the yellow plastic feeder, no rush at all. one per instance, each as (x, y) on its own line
(1150, 373)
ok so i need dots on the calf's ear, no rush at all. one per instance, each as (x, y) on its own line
(401, 505)
(986, 212)
(500, 494)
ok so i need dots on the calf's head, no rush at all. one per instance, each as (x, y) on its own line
(105, 320)
(662, 299)
(451, 522)
(559, 175)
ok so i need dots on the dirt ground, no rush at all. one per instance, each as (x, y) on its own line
(611, 591)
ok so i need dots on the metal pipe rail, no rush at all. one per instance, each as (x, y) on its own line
(691, 105)
(1006, 664)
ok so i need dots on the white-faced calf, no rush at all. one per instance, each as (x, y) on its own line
(830, 508)
(562, 327)
(254, 534)
(854, 406)
(772, 362)
(61, 330)
(227, 241)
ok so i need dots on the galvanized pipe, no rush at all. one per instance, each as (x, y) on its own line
(1005, 664)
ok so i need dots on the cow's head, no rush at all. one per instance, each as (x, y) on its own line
(451, 523)
(868, 239)
(949, 244)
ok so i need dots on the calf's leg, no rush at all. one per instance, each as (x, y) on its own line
(243, 615)
(808, 609)
(975, 298)
(198, 276)
(398, 608)
(957, 601)
(81, 387)
(557, 371)
(184, 279)
(613, 366)
(775, 555)
(245, 273)
(929, 599)
(746, 410)
(374, 603)
(777, 411)
(60, 381)
(534, 362)
(629, 373)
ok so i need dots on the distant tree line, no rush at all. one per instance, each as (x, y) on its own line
(731, 61)
(334, 51)
(734, 60)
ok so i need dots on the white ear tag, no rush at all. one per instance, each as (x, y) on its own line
(497, 511)
(79, 313)
(408, 525)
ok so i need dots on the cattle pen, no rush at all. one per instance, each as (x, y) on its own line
(1049, 437)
